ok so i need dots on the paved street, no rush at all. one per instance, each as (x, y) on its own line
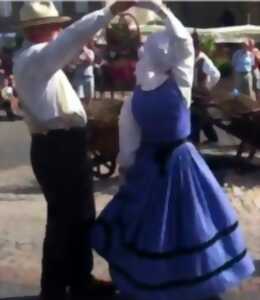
(22, 218)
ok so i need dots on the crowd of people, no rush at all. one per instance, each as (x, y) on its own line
(98, 69)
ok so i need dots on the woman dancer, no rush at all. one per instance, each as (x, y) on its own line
(170, 232)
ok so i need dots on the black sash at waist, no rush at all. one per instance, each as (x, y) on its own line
(164, 151)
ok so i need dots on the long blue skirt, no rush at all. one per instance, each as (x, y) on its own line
(172, 234)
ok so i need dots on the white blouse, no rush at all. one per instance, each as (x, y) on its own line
(170, 51)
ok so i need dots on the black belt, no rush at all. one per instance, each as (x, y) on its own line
(164, 151)
(60, 132)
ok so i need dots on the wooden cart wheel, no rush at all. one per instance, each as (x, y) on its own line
(102, 168)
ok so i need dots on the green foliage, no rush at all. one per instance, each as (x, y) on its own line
(208, 45)
(224, 66)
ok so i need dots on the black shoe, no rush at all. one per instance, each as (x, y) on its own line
(53, 297)
(93, 288)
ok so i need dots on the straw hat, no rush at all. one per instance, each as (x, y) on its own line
(37, 13)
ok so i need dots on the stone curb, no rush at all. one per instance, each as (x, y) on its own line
(20, 197)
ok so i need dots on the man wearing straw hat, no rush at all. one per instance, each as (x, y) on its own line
(57, 121)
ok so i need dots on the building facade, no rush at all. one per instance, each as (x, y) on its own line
(193, 14)
(215, 14)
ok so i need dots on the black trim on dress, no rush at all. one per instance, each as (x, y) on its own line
(169, 254)
(180, 282)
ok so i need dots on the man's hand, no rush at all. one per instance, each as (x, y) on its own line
(121, 6)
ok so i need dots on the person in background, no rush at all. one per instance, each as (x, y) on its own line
(83, 79)
(57, 123)
(6, 60)
(256, 68)
(15, 104)
(99, 70)
(8, 101)
(3, 74)
(243, 62)
(206, 76)
(170, 231)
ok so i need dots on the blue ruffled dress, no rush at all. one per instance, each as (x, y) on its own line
(170, 232)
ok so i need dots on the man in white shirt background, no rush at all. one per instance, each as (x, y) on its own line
(83, 79)
(57, 123)
(206, 76)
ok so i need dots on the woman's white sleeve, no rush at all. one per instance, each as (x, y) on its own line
(129, 135)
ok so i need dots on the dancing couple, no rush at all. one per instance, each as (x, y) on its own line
(170, 231)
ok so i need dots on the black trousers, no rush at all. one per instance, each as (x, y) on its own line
(198, 123)
(62, 169)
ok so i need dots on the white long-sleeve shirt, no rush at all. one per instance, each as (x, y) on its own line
(40, 81)
(170, 51)
(208, 67)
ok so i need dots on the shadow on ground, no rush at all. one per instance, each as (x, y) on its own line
(224, 165)
(108, 186)
(7, 119)
(27, 190)
(31, 187)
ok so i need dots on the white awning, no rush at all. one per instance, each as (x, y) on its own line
(231, 34)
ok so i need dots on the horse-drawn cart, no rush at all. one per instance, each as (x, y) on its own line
(123, 38)
(103, 136)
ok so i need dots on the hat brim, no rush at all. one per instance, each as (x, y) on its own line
(43, 21)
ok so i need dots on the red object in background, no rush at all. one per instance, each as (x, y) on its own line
(122, 72)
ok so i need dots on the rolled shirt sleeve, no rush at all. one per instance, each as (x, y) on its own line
(213, 74)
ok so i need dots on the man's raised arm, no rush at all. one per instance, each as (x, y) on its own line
(67, 45)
